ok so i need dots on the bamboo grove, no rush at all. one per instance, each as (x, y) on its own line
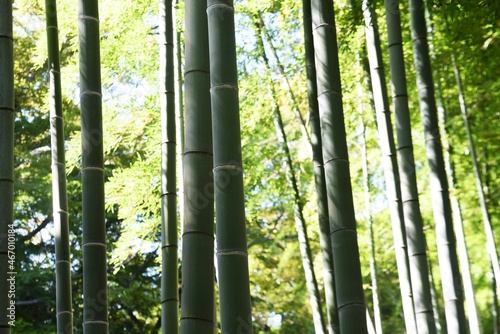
(288, 166)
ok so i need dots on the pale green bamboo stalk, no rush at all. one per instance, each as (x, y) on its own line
(373, 263)
(291, 94)
(392, 178)
(490, 237)
(445, 236)
(298, 206)
(232, 255)
(64, 311)
(474, 324)
(7, 236)
(319, 174)
(179, 107)
(197, 302)
(348, 282)
(95, 300)
(417, 250)
(169, 278)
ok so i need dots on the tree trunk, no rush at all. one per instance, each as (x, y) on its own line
(197, 313)
(298, 206)
(232, 255)
(417, 251)
(458, 222)
(59, 197)
(281, 68)
(179, 107)
(95, 301)
(407, 277)
(169, 277)
(490, 238)
(348, 282)
(448, 261)
(373, 263)
(319, 174)
(7, 236)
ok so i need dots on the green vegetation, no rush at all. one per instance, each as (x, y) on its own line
(272, 170)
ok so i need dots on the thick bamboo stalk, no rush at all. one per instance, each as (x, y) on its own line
(417, 251)
(446, 242)
(407, 277)
(197, 306)
(319, 174)
(458, 222)
(232, 255)
(169, 278)
(348, 282)
(95, 301)
(59, 197)
(7, 232)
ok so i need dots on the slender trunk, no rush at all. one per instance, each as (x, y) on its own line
(169, 278)
(371, 327)
(490, 239)
(179, 107)
(59, 197)
(373, 262)
(348, 281)
(298, 206)
(300, 225)
(435, 301)
(197, 314)
(281, 68)
(232, 255)
(417, 251)
(95, 300)
(448, 260)
(7, 236)
(319, 174)
(474, 324)
(458, 221)
(417, 305)
(494, 306)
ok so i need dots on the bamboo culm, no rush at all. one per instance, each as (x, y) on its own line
(168, 197)
(232, 255)
(95, 295)
(346, 264)
(197, 301)
(445, 235)
(319, 174)
(59, 195)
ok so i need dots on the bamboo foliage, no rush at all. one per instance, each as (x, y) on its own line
(59, 196)
(197, 301)
(350, 298)
(169, 294)
(319, 173)
(447, 254)
(95, 308)
(390, 165)
(232, 256)
(6, 161)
